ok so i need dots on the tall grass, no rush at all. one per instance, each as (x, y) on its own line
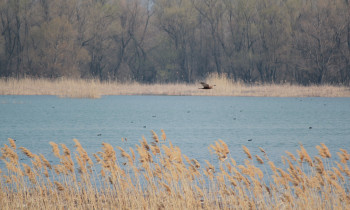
(79, 88)
(74, 88)
(157, 175)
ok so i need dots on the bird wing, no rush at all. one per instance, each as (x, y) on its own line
(205, 85)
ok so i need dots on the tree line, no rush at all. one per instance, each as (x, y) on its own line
(254, 41)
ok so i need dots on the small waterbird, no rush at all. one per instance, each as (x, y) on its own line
(206, 86)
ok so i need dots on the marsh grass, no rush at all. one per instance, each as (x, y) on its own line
(79, 88)
(157, 175)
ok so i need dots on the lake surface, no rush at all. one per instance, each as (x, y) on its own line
(190, 122)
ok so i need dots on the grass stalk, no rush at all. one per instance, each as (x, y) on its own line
(169, 179)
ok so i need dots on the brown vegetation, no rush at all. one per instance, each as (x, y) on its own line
(148, 41)
(157, 175)
(224, 87)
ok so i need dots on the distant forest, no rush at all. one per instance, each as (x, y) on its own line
(253, 41)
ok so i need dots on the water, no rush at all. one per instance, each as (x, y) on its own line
(190, 122)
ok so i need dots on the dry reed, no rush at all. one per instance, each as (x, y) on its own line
(159, 176)
(80, 88)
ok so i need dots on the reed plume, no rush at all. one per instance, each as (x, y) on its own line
(158, 175)
(83, 155)
(247, 152)
(163, 135)
(126, 155)
(12, 143)
(55, 149)
(305, 156)
(259, 159)
(59, 186)
(326, 151)
(45, 161)
(27, 152)
(291, 156)
(155, 136)
(220, 149)
(29, 173)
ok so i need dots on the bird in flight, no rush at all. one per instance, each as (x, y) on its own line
(206, 86)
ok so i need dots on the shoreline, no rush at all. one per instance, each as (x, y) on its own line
(80, 88)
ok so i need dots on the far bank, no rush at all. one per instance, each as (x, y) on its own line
(80, 88)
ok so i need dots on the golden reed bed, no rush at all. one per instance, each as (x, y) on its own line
(157, 175)
(79, 88)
